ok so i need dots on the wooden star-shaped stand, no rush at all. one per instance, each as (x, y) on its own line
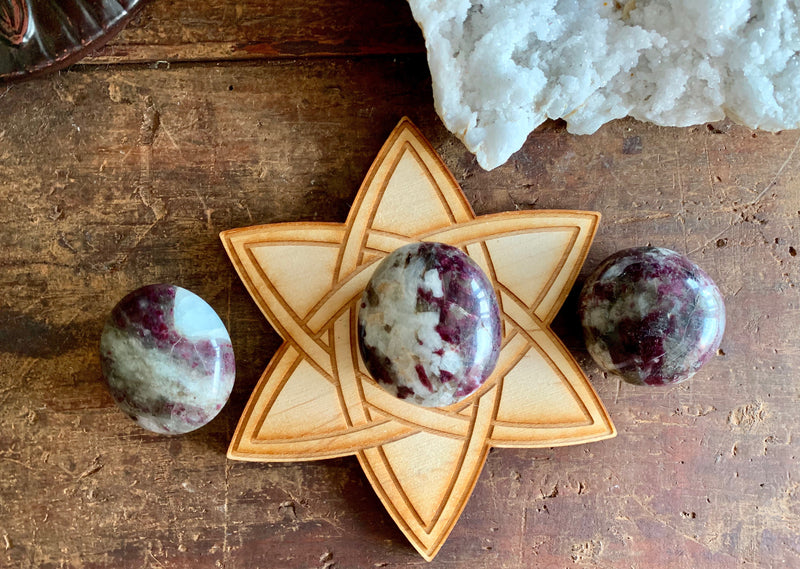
(316, 399)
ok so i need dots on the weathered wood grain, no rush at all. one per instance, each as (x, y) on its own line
(115, 176)
(217, 30)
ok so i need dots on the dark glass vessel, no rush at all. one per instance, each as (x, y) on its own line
(44, 35)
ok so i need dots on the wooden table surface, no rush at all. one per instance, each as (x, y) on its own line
(205, 116)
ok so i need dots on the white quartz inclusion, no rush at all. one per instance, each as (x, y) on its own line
(414, 338)
(195, 319)
(502, 67)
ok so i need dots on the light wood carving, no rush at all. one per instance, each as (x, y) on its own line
(316, 400)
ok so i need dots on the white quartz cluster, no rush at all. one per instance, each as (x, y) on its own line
(501, 67)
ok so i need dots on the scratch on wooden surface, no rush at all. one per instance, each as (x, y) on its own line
(607, 164)
(521, 536)
(155, 204)
(15, 461)
(169, 135)
(26, 369)
(151, 121)
(225, 512)
(744, 210)
(641, 218)
(228, 308)
(678, 177)
(92, 469)
(208, 212)
(731, 223)
(653, 516)
(708, 166)
(778, 173)
(154, 558)
(139, 239)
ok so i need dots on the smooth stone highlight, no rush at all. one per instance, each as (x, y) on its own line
(651, 316)
(167, 359)
(429, 325)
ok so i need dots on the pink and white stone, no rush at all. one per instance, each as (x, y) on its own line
(429, 325)
(651, 316)
(167, 359)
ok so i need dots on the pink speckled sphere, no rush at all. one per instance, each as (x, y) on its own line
(651, 316)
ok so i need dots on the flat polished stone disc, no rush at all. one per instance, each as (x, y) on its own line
(429, 325)
(651, 316)
(167, 359)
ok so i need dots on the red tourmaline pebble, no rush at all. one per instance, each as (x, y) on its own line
(651, 316)
(429, 325)
(167, 359)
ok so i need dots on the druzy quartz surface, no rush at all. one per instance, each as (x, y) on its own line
(651, 316)
(167, 359)
(429, 325)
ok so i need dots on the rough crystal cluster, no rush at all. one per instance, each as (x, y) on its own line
(501, 67)
(651, 315)
(429, 325)
(167, 359)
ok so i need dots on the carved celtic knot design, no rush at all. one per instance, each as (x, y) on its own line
(316, 399)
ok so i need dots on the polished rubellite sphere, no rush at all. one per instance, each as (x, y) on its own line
(651, 316)
(429, 325)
